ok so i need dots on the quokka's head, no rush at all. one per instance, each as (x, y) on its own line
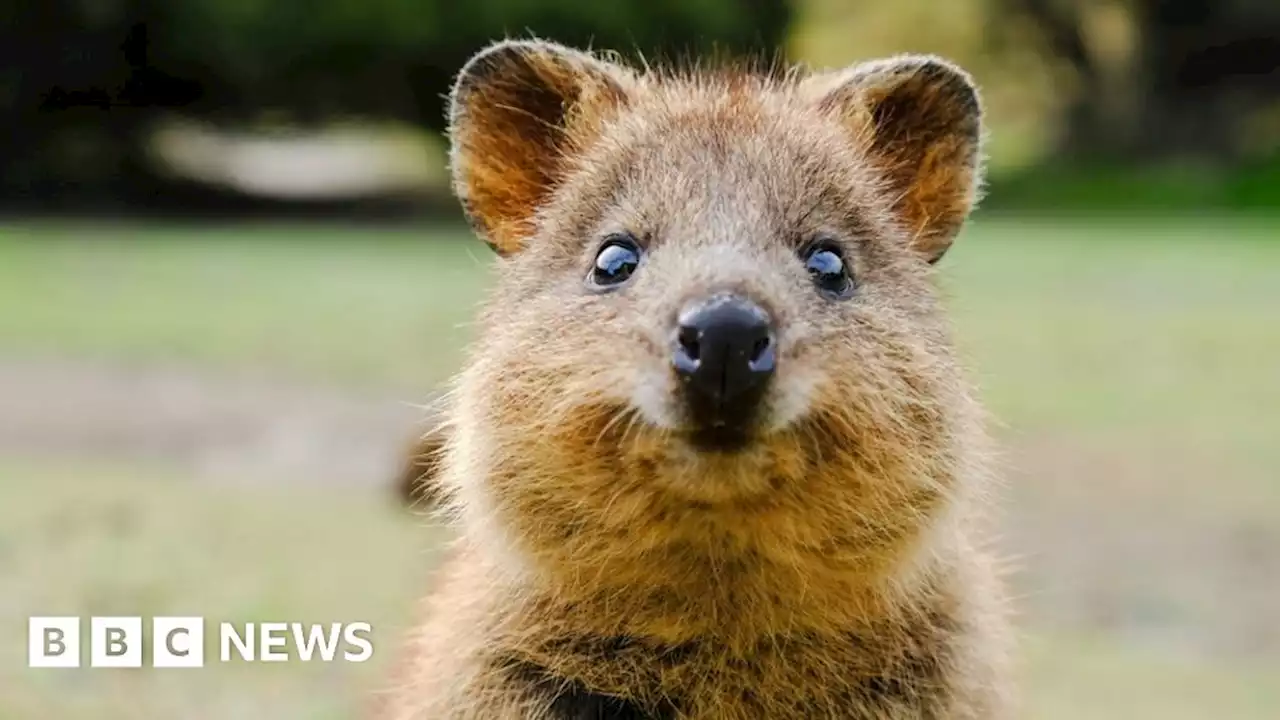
(713, 285)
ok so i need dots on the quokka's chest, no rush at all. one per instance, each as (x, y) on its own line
(793, 679)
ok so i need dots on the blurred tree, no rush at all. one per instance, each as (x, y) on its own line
(1163, 79)
(1021, 84)
(397, 58)
(1103, 82)
(1120, 84)
(77, 96)
(55, 91)
(85, 79)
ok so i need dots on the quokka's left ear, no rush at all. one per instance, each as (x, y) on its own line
(920, 120)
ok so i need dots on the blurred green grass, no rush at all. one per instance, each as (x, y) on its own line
(111, 539)
(1074, 678)
(1184, 188)
(1144, 346)
(351, 305)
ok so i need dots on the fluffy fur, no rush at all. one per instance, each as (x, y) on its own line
(835, 567)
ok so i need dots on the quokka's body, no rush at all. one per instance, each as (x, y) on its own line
(711, 457)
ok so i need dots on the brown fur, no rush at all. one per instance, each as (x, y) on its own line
(835, 568)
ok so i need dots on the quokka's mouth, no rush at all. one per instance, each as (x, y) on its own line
(721, 437)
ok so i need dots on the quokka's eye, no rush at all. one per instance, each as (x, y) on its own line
(828, 270)
(615, 263)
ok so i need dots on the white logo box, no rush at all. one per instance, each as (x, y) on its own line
(115, 642)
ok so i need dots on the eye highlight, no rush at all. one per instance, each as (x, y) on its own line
(616, 261)
(828, 271)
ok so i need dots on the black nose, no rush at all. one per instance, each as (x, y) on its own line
(724, 354)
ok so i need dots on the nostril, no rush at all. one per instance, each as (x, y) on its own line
(688, 351)
(688, 338)
(762, 356)
(760, 347)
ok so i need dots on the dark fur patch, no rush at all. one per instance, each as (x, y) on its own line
(417, 483)
(569, 699)
(575, 703)
(915, 679)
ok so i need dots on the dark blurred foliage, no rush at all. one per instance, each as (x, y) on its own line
(1175, 106)
(85, 79)
(396, 58)
(1198, 70)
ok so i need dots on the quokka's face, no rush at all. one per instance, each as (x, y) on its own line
(721, 271)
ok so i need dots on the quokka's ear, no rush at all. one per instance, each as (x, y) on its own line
(518, 110)
(921, 121)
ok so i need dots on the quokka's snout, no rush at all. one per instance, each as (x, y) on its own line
(725, 355)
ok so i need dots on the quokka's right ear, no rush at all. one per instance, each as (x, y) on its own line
(518, 111)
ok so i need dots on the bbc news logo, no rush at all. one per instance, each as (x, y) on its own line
(178, 642)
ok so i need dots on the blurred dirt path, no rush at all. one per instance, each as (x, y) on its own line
(217, 427)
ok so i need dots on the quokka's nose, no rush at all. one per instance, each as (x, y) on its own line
(724, 354)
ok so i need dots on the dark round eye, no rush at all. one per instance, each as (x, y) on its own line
(617, 260)
(828, 271)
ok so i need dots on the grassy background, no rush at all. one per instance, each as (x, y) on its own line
(1131, 364)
